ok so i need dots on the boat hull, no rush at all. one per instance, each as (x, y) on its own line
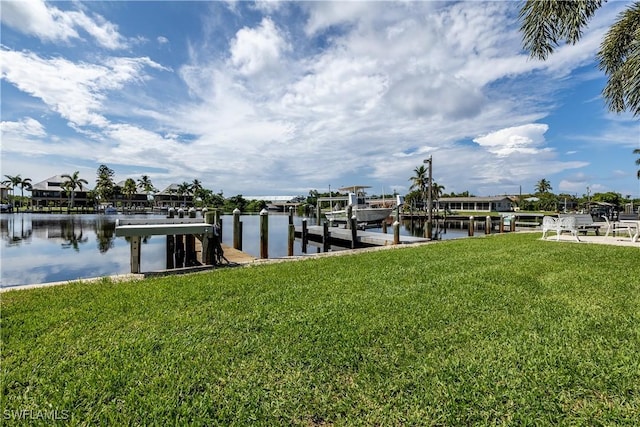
(368, 215)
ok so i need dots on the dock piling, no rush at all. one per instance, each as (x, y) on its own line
(237, 230)
(354, 231)
(396, 232)
(135, 254)
(471, 226)
(304, 236)
(291, 240)
(325, 237)
(264, 234)
(487, 225)
(171, 246)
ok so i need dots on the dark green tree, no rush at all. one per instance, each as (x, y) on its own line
(546, 23)
(185, 189)
(420, 181)
(73, 181)
(129, 189)
(145, 184)
(543, 186)
(105, 186)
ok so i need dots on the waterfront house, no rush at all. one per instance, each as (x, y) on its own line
(171, 198)
(138, 199)
(476, 204)
(50, 193)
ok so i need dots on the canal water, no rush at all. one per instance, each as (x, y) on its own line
(42, 248)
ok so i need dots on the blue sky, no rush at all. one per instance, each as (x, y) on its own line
(272, 98)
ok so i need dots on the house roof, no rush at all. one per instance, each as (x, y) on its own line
(54, 184)
(170, 190)
(138, 190)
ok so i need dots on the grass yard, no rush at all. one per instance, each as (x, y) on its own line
(504, 329)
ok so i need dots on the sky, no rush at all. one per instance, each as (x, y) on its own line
(280, 98)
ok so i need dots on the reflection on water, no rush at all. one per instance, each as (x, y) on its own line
(41, 248)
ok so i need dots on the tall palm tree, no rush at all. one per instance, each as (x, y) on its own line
(24, 183)
(144, 183)
(12, 182)
(129, 189)
(544, 23)
(72, 182)
(196, 186)
(105, 186)
(420, 181)
(543, 186)
(637, 151)
(437, 190)
(184, 190)
(17, 181)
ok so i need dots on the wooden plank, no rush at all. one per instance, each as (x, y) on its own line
(143, 221)
(163, 229)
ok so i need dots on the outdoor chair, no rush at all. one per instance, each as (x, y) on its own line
(567, 223)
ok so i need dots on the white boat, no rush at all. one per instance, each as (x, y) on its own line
(361, 208)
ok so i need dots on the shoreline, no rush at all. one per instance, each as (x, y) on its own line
(249, 261)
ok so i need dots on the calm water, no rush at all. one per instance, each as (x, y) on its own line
(41, 248)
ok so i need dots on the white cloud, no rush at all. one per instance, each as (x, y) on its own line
(526, 139)
(255, 50)
(27, 126)
(76, 91)
(37, 18)
(330, 13)
(104, 32)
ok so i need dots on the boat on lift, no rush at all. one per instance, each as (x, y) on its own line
(361, 207)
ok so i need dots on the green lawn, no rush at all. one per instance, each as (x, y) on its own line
(505, 329)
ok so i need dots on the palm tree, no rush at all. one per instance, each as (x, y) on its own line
(72, 182)
(12, 182)
(437, 190)
(420, 180)
(543, 186)
(184, 190)
(144, 183)
(129, 189)
(196, 187)
(17, 181)
(105, 187)
(544, 23)
(65, 189)
(24, 183)
(637, 151)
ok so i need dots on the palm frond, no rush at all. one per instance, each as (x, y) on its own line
(546, 23)
(619, 58)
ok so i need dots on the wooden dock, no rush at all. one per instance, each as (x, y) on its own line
(343, 237)
(235, 256)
